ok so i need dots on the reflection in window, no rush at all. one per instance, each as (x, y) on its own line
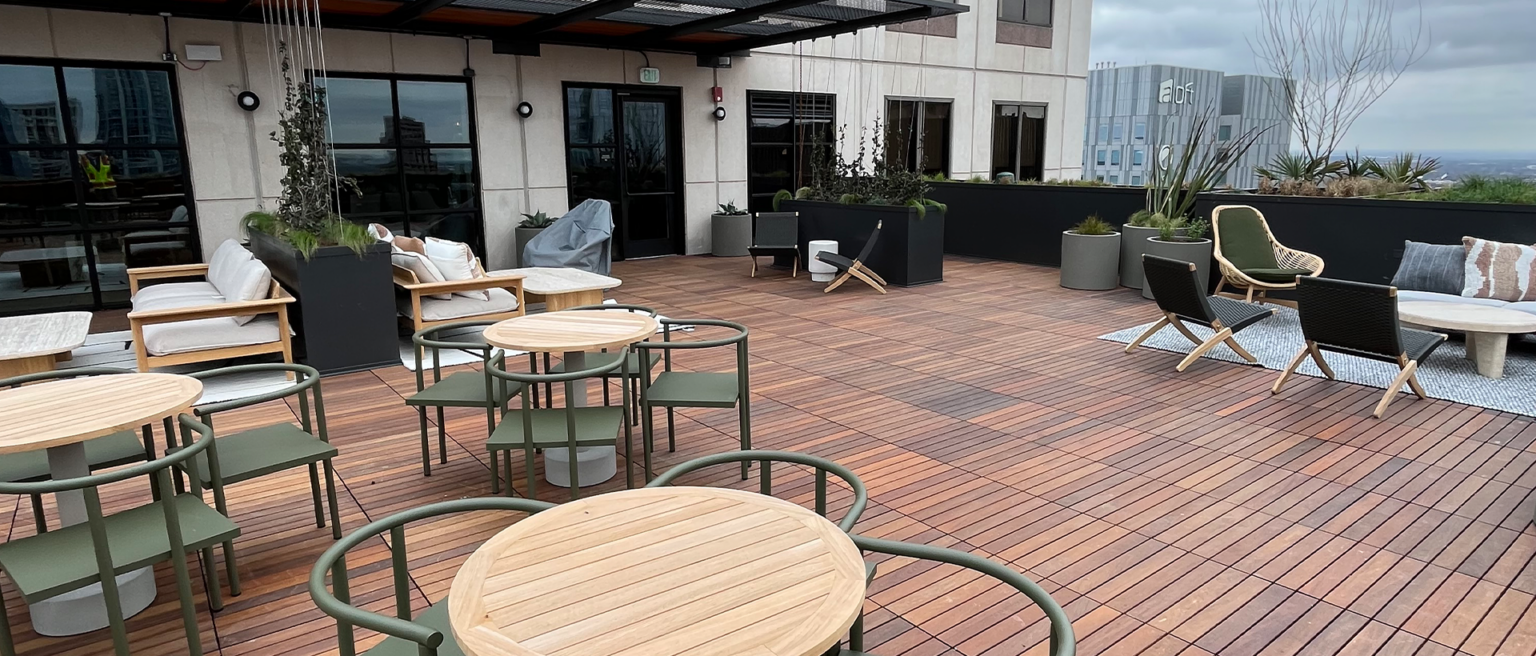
(1018, 141)
(589, 115)
(121, 106)
(783, 128)
(29, 106)
(378, 181)
(361, 111)
(434, 112)
(917, 135)
(1031, 12)
(1114, 157)
(439, 179)
(1138, 157)
(645, 147)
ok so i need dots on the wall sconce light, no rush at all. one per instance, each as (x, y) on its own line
(524, 109)
(248, 101)
(719, 113)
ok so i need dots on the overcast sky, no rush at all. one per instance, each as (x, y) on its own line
(1475, 90)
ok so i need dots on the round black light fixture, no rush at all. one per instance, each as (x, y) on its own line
(248, 101)
(719, 113)
(524, 109)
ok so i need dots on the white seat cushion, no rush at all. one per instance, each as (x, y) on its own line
(1410, 295)
(461, 307)
(204, 334)
(153, 294)
(224, 267)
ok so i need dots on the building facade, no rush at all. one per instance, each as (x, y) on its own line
(1138, 114)
(430, 128)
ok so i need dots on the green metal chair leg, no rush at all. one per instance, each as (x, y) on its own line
(495, 473)
(314, 495)
(746, 433)
(7, 643)
(426, 445)
(671, 432)
(211, 581)
(231, 568)
(442, 437)
(109, 592)
(533, 490)
(507, 462)
(38, 516)
(330, 491)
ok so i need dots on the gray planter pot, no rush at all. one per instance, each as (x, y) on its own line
(521, 236)
(1090, 262)
(1132, 244)
(1198, 252)
(730, 234)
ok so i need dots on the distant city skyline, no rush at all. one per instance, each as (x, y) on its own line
(1471, 94)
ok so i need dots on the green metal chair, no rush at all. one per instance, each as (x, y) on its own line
(426, 635)
(690, 389)
(1063, 642)
(529, 428)
(105, 546)
(277, 447)
(598, 359)
(465, 389)
(113, 450)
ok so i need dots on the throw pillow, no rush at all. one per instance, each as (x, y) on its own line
(420, 265)
(1431, 268)
(224, 268)
(456, 261)
(1498, 270)
(255, 283)
(380, 232)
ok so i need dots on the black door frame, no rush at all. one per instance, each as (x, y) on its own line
(673, 96)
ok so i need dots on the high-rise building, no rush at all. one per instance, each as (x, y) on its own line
(1138, 115)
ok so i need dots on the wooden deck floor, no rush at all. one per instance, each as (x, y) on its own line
(1168, 513)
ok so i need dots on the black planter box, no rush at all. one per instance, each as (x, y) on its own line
(1023, 223)
(345, 312)
(909, 252)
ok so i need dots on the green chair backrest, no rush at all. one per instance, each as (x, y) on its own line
(334, 562)
(765, 482)
(430, 338)
(1245, 239)
(666, 345)
(306, 385)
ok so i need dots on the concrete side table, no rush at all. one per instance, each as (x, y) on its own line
(820, 271)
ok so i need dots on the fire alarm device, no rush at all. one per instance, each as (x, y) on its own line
(717, 93)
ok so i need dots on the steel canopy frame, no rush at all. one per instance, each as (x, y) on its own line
(415, 16)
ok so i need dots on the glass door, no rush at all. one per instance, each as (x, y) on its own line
(624, 146)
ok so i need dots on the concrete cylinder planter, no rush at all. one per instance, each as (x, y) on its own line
(730, 234)
(1197, 251)
(521, 237)
(1090, 262)
(1132, 245)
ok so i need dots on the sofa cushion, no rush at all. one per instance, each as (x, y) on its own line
(1431, 268)
(203, 334)
(1276, 275)
(224, 267)
(420, 265)
(254, 284)
(461, 307)
(1499, 270)
(1244, 240)
(1528, 307)
(456, 262)
(1411, 295)
(155, 293)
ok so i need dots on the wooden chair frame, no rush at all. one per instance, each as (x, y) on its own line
(276, 302)
(1222, 335)
(406, 280)
(1407, 374)
(856, 267)
(1288, 258)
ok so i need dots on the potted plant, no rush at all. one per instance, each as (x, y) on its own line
(532, 225)
(1090, 255)
(1191, 246)
(1137, 229)
(730, 231)
(339, 274)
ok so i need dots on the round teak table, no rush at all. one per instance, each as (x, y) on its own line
(657, 572)
(574, 333)
(1487, 328)
(60, 416)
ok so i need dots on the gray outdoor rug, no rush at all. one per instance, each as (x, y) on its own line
(1447, 374)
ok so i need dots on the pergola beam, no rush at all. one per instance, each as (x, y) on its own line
(660, 34)
(413, 10)
(586, 12)
(830, 29)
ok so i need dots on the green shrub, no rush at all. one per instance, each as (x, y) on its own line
(537, 220)
(1168, 229)
(978, 179)
(1486, 189)
(1093, 226)
(730, 209)
(781, 196)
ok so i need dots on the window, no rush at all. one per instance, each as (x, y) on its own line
(1031, 12)
(1018, 140)
(1138, 156)
(1100, 159)
(782, 129)
(1103, 132)
(409, 143)
(1139, 132)
(1119, 132)
(917, 135)
(1136, 180)
(1224, 133)
(1114, 157)
(93, 181)
(1100, 177)
(1114, 178)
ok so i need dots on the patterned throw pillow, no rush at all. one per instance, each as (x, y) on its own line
(1499, 271)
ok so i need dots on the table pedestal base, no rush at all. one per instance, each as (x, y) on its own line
(1487, 351)
(84, 610)
(594, 465)
(820, 271)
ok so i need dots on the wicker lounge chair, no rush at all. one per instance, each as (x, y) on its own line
(1250, 258)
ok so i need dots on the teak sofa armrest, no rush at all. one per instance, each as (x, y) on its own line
(279, 298)
(154, 273)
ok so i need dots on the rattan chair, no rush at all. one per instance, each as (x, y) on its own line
(1359, 319)
(1249, 257)
(1181, 297)
(855, 268)
(776, 233)
(427, 634)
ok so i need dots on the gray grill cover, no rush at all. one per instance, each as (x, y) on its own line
(582, 239)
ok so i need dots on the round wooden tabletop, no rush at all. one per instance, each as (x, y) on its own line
(657, 572)
(571, 330)
(1466, 317)
(77, 409)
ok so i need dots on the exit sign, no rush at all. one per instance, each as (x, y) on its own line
(650, 75)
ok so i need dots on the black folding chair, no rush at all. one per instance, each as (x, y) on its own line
(776, 233)
(1359, 319)
(855, 268)
(1182, 299)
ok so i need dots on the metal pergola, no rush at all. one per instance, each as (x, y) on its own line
(707, 28)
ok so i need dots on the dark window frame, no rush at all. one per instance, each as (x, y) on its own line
(83, 229)
(914, 150)
(799, 165)
(399, 148)
(1017, 147)
(1050, 12)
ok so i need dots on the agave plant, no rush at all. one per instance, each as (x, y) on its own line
(1195, 167)
(537, 220)
(1291, 166)
(1355, 166)
(1405, 169)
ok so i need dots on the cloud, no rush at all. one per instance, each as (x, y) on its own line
(1473, 90)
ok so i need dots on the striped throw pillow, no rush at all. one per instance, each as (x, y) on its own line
(1506, 272)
